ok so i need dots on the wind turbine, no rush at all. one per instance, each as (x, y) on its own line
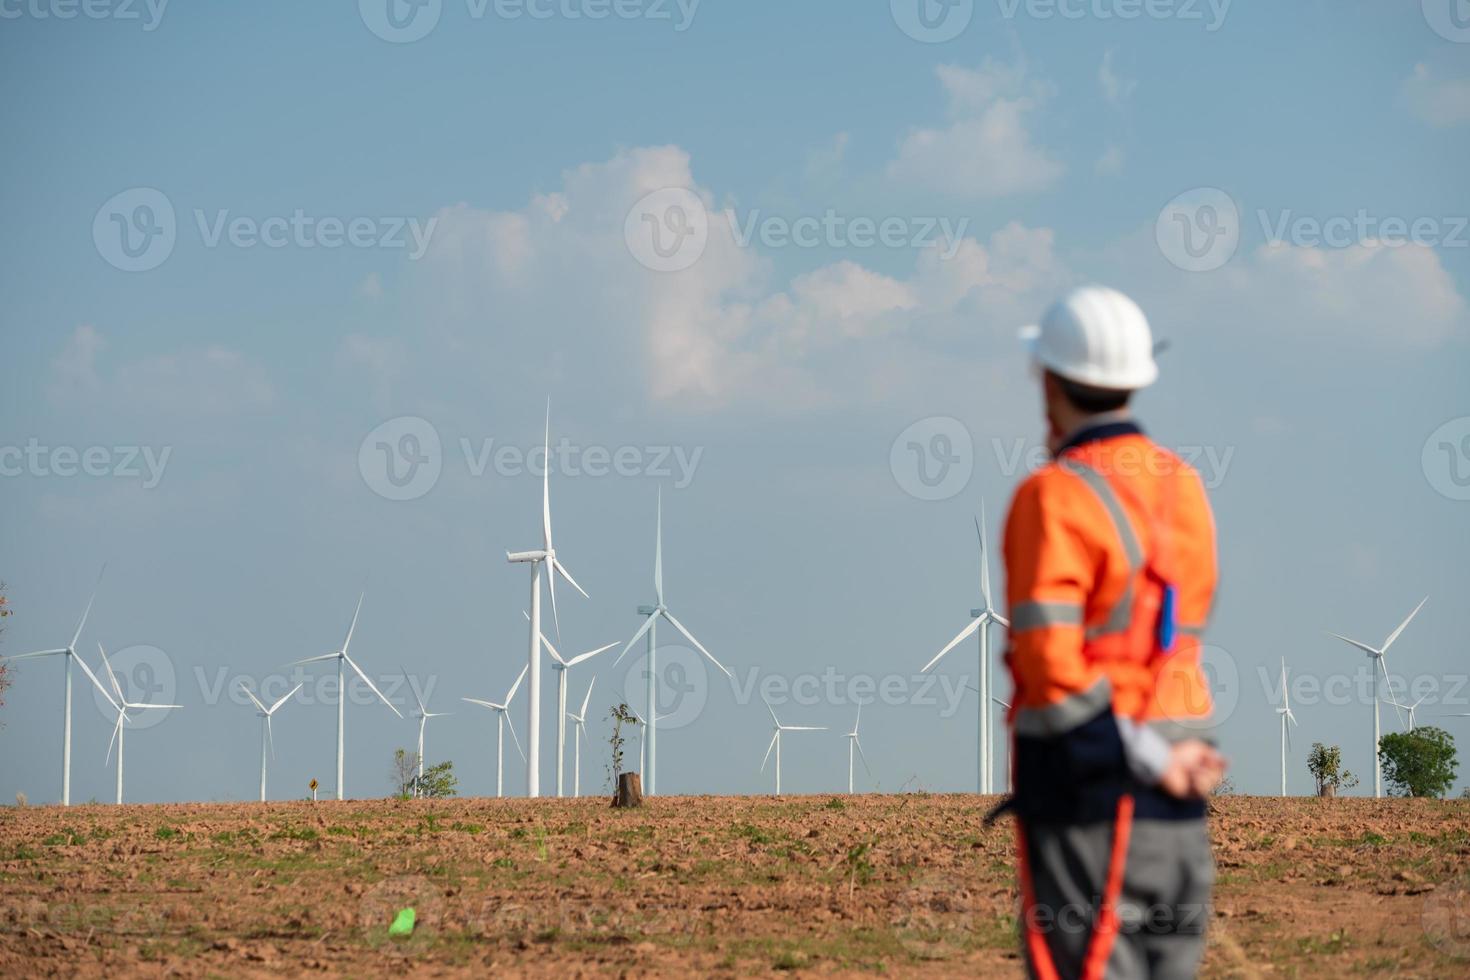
(265, 730)
(502, 719)
(122, 704)
(853, 743)
(424, 715)
(642, 741)
(1378, 654)
(344, 661)
(581, 732)
(980, 620)
(1011, 758)
(776, 742)
(1287, 719)
(544, 555)
(68, 653)
(561, 665)
(652, 614)
(1409, 708)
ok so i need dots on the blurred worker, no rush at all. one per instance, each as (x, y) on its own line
(1110, 573)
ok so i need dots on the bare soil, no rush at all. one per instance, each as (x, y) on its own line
(911, 885)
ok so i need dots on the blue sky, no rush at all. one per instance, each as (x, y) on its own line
(1318, 362)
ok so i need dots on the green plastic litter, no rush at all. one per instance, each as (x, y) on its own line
(402, 923)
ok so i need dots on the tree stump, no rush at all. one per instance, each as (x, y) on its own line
(630, 790)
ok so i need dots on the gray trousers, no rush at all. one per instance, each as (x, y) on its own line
(1161, 909)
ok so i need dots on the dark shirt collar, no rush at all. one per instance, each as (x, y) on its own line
(1096, 431)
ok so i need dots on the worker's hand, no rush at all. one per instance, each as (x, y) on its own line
(1194, 770)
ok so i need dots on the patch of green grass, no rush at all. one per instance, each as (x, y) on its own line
(466, 828)
(294, 833)
(167, 833)
(835, 804)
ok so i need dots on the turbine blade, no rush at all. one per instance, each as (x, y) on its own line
(562, 571)
(1361, 646)
(804, 728)
(313, 660)
(647, 624)
(858, 720)
(350, 629)
(984, 557)
(697, 645)
(86, 612)
(1395, 634)
(658, 549)
(579, 658)
(486, 704)
(510, 696)
(115, 729)
(1004, 704)
(551, 584)
(32, 656)
(270, 738)
(1383, 664)
(974, 625)
(546, 482)
(514, 738)
(772, 710)
(286, 698)
(587, 697)
(769, 748)
(353, 664)
(95, 682)
(862, 755)
(1001, 620)
(117, 689)
(251, 695)
(414, 690)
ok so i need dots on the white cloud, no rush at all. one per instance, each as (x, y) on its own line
(1438, 102)
(1115, 89)
(1110, 164)
(375, 360)
(986, 151)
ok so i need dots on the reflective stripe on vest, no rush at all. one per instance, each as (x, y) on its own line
(1121, 615)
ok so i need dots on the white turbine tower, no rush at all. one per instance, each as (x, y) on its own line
(545, 555)
(1287, 719)
(69, 653)
(980, 621)
(1378, 655)
(502, 719)
(1011, 756)
(266, 739)
(853, 743)
(581, 732)
(1410, 709)
(561, 665)
(424, 714)
(122, 704)
(776, 742)
(652, 614)
(343, 662)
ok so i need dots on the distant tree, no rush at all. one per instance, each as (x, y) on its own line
(1325, 764)
(437, 782)
(405, 767)
(1418, 763)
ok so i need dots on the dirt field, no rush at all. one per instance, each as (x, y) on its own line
(896, 885)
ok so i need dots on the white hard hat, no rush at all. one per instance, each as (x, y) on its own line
(1095, 336)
